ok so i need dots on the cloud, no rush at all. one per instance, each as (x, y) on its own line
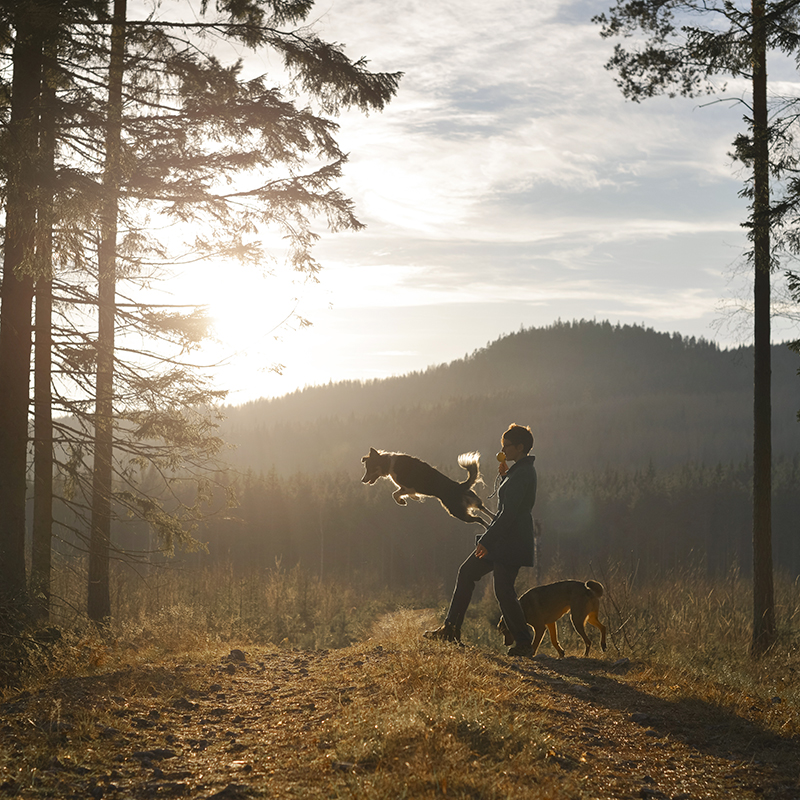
(501, 99)
(509, 183)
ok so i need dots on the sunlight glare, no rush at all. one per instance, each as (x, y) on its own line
(255, 318)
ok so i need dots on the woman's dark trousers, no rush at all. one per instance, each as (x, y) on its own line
(469, 573)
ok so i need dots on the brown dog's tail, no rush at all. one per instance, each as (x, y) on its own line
(470, 462)
(595, 588)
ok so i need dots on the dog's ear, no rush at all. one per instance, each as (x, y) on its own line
(373, 451)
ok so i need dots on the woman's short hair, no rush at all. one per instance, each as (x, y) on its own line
(519, 434)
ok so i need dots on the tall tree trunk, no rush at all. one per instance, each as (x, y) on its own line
(99, 597)
(42, 394)
(763, 594)
(17, 302)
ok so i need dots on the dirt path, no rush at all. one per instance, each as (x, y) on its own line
(264, 723)
(641, 745)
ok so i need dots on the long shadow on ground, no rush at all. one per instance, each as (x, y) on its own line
(705, 727)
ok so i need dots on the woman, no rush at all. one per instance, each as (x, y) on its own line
(505, 546)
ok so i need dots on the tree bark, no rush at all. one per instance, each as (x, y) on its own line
(99, 596)
(17, 301)
(763, 593)
(42, 394)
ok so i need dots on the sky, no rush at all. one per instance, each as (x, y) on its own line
(508, 185)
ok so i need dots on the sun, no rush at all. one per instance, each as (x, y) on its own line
(255, 320)
(248, 308)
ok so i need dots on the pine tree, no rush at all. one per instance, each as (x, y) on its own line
(192, 128)
(43, 343)
(674, 55)
(33, 26)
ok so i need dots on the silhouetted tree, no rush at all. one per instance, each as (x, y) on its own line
(191, 125)
(33, 24)
(678, 56)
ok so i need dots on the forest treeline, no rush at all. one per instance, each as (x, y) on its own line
(648, 471)
(643, 454)
(647, 522)
(596, 395)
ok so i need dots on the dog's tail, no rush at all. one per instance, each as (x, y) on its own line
(595, 588)
(471, 463)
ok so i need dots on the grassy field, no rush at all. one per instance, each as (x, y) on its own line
(685, 621)
(216, 685)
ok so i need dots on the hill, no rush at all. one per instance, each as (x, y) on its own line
(596, 395)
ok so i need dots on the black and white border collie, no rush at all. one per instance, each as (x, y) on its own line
(417, 479)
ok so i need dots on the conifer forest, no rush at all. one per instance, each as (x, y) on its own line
(642, 448)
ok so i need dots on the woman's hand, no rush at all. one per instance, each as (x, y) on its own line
(481, 551)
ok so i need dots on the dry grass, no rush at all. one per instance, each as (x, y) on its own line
(340, 696)
(695, 631)
(434, 724)
(687, 624)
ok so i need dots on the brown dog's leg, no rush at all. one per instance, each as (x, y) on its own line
(551, 626)
(508, 639)
(538, 635)
(578, 623)
(592, 619)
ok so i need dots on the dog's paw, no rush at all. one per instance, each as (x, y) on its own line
(401, 501)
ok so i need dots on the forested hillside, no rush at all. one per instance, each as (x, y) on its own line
(596, 395)
(643, 452)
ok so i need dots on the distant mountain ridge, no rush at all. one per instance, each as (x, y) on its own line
(596, 395)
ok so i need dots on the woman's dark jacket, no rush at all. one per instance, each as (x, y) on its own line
(509, 539)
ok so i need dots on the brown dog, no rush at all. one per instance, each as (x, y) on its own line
(416, 479)
(543, 605)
